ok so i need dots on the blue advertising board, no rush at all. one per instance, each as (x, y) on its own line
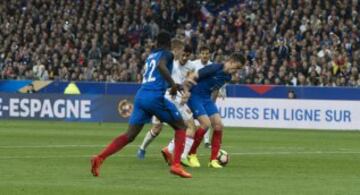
(91, 108)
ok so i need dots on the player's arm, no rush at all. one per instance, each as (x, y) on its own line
(208, 71)
(205, 72)
(186, 88)
(219, 93)
(185, 96)
(214, 95)
(165, 73)
(222, 92)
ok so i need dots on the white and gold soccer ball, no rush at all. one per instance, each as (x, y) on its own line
(223, 157)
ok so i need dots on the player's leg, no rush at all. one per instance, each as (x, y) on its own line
(167, 112)
(217, 126)
(186, 114)
(136, 122)
(204, 122)
(190, 131)
(216, 141)
(196, 104)
(207, 139)
(180, 135)
(116, 145)
(149, 137)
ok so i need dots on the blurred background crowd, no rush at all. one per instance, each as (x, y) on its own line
(287, 42)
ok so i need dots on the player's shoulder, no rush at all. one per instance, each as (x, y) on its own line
(176, 64)
(195, 64)
(217, 64)
(197, 61)
(214, 65)
(161, 53)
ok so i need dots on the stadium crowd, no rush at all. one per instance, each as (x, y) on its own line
(287, 42)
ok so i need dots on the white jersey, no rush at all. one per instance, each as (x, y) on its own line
(179, 72)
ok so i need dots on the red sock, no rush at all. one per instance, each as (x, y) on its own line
(215, 144)
(199, 135)
(116, 145)
(179, 145)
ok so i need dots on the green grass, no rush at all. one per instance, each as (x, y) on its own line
(52, 158)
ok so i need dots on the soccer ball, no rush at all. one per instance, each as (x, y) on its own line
(223, 157)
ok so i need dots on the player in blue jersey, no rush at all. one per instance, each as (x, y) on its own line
(209, 79)
(149, 101)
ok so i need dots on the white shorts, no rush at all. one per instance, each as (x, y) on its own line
(184, 110)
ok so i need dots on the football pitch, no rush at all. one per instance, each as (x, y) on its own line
(49, 158)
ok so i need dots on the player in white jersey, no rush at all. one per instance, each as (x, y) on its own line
(181, 69)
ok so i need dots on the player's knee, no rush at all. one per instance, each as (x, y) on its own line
(181, 125)
(218, 126)
(131, 138)
(156, 130)
(190, 132)
(178, 125)
(205, 125)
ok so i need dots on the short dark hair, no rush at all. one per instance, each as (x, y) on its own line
(204, 47)
(187, 49)
(164, 39)
(239, 57)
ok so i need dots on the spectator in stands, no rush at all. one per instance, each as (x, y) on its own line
(285, 42)
(291, 94)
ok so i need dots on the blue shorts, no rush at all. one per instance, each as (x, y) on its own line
(150, 103)
(202, 106)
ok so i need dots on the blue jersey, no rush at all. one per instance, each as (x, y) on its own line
(152, 79)
(211, 77)
(149, 99)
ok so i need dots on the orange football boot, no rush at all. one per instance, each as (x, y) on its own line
(177, 169)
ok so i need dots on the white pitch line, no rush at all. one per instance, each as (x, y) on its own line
(63, 146)
(295, 152)
(56, 146)
(153, 155)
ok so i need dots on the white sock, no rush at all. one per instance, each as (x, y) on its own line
(207, 136)
(149, 137)
(188, 143)
(171, 146)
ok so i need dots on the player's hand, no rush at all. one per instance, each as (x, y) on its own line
(188, 83)
(176, 88)
(190, 80)
(222, 96)
(185, 97)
